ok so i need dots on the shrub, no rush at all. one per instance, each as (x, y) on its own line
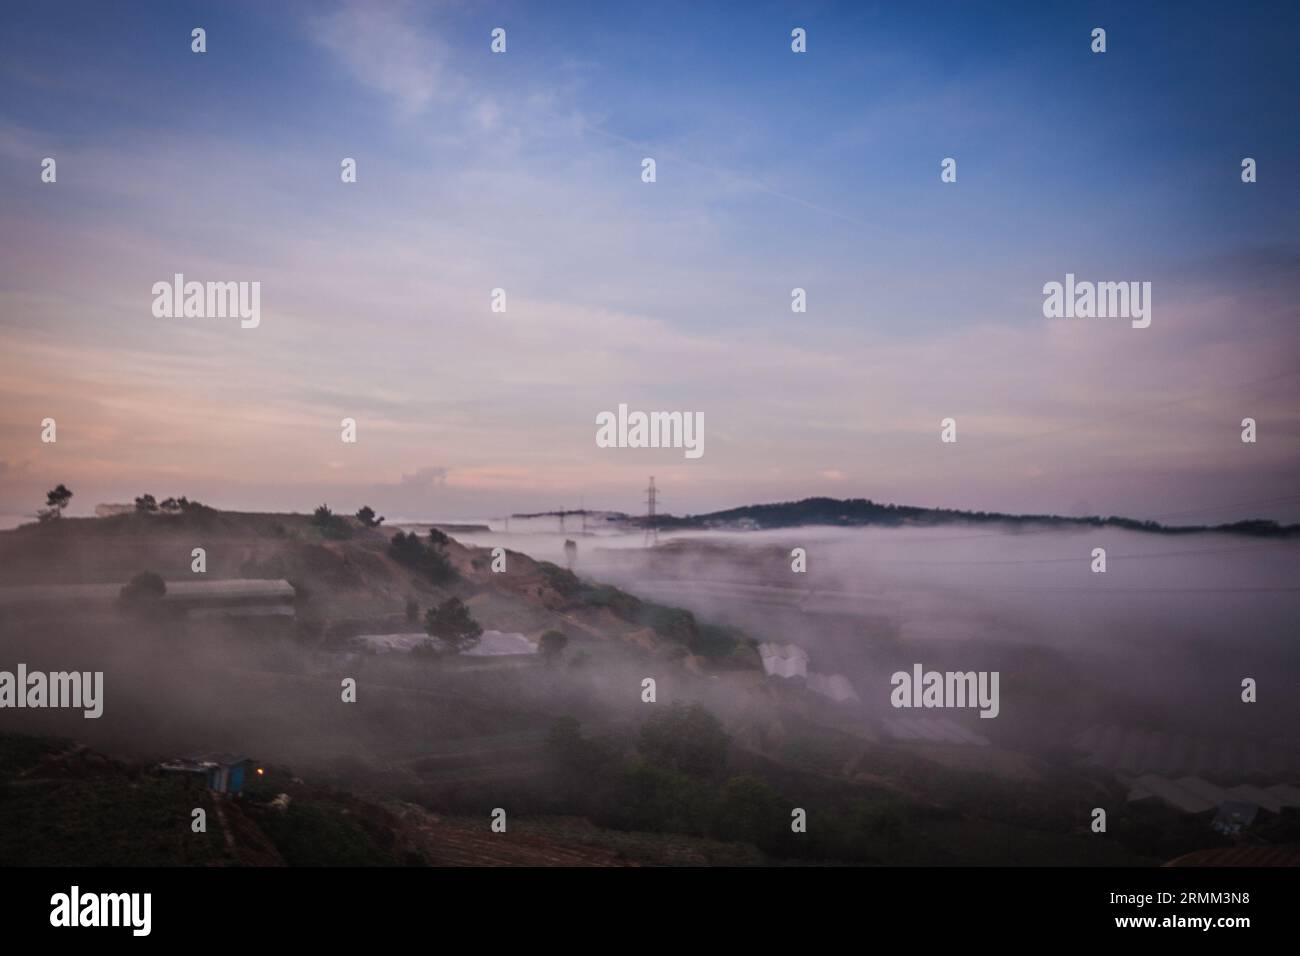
(552, 645)
(685, 739)
(562, 581)
(409, 550)
(331, 526)
(454, 625)
(55, 501)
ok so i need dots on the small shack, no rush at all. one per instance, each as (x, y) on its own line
(221, 772)
(783, 660)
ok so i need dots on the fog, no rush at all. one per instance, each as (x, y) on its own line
(1161, 640)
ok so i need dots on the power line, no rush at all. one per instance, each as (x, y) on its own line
(652, 524)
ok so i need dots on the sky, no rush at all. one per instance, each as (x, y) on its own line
(774, 170)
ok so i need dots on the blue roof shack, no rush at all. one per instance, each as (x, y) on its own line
(220, 772)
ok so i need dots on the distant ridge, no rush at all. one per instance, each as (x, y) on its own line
(858, 512)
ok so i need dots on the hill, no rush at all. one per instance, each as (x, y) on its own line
(860, 512)
(349, 579)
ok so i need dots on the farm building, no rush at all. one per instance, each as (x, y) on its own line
(784, 660)
(233, 597)
(791, 660)
(491, 643)
(225, 598)
(221, 772)
(1235, 807)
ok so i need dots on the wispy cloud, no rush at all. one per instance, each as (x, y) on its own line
(386, 47)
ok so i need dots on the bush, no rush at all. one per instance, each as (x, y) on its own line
(654, 798)
(713, 640)
(331, 526)
(428, 560)
(562, 581)
(405, 548)
(688, 740)
(674, 623)
(454, 625)
(552, 645)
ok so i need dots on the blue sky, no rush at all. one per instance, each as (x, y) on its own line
(775, 170)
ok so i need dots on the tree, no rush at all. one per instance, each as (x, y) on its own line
(405, 549)
(331, 525)
(453, 624)
(367, 517)
(146, 504)
(552, 645)
(429, 560)
(55, 501)
(686, 739)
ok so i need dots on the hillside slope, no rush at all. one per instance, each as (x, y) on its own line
(349, 581)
